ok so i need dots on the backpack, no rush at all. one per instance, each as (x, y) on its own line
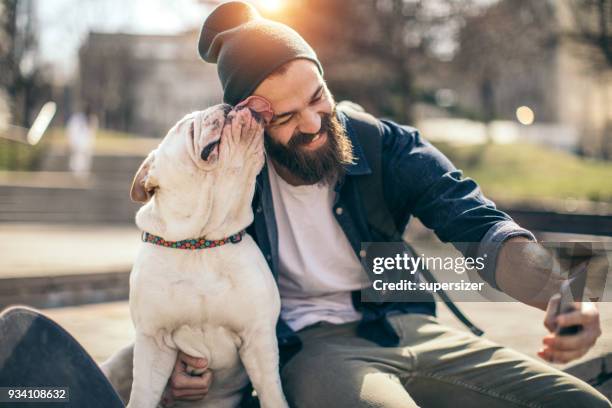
(370, 133)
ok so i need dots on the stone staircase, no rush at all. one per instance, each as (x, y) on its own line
(54, 195)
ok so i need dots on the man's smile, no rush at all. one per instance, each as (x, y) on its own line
(317, 141)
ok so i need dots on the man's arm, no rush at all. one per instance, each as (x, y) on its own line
(420, 180)
(526, 271)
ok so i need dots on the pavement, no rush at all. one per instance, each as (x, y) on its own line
(37, 250)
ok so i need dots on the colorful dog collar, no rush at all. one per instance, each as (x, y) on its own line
(199, 243)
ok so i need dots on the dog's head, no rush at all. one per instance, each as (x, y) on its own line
(201, 179)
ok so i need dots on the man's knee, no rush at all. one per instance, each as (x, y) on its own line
(118, 370)
(582, 398)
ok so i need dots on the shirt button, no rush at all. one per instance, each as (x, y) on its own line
(339, 210)
(362, 253)
(269, 257)
(258, 209)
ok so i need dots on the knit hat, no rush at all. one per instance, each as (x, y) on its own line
(247, 48)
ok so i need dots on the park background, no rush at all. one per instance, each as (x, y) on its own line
(517, 93)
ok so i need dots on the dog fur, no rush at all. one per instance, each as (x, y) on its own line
(219, 303)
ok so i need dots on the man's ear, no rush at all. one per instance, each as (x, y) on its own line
(143, 185)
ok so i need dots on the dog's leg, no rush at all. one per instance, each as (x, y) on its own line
(259, 355)
(153, 364)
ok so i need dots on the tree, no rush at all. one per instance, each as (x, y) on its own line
(592, 29)
(373, 50)
(593, 21)
(21, 73)
(511, 36)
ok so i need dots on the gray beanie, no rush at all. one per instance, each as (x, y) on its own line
(247, 48)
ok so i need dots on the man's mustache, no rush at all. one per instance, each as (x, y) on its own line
(301, 138)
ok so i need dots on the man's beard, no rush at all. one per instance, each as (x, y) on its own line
(323, 165)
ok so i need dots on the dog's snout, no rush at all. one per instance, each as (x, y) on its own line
(208, 149)
(226, 108)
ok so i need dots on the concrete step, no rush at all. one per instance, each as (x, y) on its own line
(101, 164)
(107, 202)
(61, 197)
(64, 290)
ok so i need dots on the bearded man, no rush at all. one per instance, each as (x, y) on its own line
(310, 222)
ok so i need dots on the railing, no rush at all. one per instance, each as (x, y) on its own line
(570, 223)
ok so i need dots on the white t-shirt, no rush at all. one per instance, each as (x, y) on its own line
(317, 266)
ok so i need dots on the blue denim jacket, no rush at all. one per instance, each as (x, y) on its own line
(418, 181)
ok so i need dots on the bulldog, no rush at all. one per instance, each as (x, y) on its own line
(199, 282)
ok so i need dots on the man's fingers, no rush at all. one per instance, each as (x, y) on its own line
(190, 397)
(185, 394)
(575, 318)
(207, 378)
(192, 394)
(561, 357)
(194, 362)
(551, 311)
(570, 342)
(182, 381)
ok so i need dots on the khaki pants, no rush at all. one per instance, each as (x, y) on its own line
(434, 366)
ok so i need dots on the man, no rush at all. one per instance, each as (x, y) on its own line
(81, 130)
(309, 223)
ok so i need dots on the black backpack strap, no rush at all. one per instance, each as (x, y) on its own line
(370, 133)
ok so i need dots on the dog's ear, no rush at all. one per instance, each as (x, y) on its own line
(143, 185)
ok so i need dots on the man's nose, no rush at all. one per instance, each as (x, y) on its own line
(310, 122)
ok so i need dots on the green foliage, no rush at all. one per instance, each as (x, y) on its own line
(19, 156)
(523, 171)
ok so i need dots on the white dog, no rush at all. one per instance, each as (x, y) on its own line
(218, 301)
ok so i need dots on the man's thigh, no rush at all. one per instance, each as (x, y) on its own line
(345, 372)
(454, 367)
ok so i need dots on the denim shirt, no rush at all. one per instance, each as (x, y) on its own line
(418, 180)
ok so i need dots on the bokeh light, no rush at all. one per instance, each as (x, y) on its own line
(271, 6)
(525, 115)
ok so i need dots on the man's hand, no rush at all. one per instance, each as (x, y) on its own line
(563, 349)
(186, 387)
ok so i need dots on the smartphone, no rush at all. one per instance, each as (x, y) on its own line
(571, 291)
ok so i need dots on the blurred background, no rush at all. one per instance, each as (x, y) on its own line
(517, 93)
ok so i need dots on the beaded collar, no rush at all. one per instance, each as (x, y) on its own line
(199, 243)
